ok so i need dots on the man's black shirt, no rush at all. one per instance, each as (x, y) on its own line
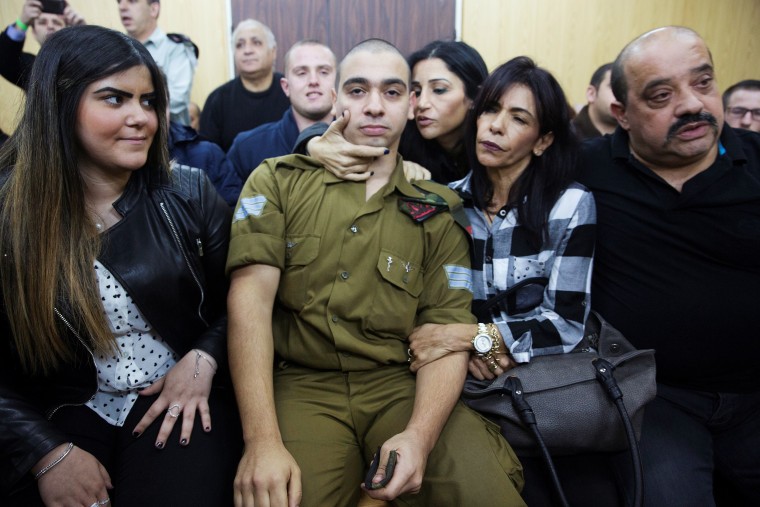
(680, 272)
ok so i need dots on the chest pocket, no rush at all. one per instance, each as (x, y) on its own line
(395, 301)
(300, 251)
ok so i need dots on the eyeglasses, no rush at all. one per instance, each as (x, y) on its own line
(739, 112)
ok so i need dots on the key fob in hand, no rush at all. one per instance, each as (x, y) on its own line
(373, 470)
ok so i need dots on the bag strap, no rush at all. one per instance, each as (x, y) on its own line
(483, 309)
(512, 386)
(604, 374)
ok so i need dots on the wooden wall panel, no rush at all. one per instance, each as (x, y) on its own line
(409, 24)
(289, 20)
(572, 38)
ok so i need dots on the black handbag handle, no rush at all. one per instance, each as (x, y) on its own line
(604, 374)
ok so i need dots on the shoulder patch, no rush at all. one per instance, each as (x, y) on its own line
(181, 38)
(460, 277)
(250, 206)
(422, 208)
(450, 197)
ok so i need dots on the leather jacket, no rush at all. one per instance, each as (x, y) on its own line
(168, 251)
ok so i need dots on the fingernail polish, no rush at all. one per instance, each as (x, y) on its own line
(135, 434)
(386, 151)
(183, 441)
(159, 445)
(207, 428)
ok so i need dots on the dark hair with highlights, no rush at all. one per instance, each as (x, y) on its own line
(48, 239)
(537, 189)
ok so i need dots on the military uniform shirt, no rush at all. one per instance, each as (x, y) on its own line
(357, 275)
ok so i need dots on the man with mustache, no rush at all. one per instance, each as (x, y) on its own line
(330, 277)
(677, 265)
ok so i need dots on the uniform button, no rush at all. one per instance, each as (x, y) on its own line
(354, 229)
(335, 318)
(489, 284)
(344, 275)
(488, 258)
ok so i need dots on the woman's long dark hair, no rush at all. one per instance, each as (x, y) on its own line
(467, 64)
(48, 240)
(537, 189)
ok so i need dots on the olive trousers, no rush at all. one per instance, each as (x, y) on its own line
(333, 422)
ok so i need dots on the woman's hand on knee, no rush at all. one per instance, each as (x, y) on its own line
(183, 392)
(78, 479)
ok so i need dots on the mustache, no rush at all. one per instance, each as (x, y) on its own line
(702, 116)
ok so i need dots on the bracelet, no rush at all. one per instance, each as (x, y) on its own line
(24, 27)
(493, 332)
(198, 357)
(55, 462)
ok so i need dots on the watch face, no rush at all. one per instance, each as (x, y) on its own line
(482, 343)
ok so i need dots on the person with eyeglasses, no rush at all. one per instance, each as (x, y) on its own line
(742, 104)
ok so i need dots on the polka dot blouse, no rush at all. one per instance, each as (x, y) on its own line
(142, 357)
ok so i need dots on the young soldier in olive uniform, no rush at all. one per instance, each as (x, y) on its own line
(343, 271)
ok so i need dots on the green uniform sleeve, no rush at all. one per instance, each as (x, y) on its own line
(447, 294)
(258, 225)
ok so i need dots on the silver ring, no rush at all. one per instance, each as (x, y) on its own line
(172, 414)
(410, 355)
(105, 501)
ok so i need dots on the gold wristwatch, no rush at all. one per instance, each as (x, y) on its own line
(486, 341)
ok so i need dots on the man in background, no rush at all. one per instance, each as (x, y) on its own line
(677, 268)
(254, 96)
(742, 104)
(595, 119)
(15, 65)
(309, 83)
(174, 53)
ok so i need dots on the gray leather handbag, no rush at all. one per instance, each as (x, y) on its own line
(573, 403)
(570, 405)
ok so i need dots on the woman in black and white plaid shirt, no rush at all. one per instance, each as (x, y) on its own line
(532, 226)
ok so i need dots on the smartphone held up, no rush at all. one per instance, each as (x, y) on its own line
(53, 6)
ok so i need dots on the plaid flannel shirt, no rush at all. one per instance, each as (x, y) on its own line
(549, 320)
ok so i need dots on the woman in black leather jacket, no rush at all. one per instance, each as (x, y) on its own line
(107, 389)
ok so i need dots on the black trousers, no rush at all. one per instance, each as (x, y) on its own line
(587, 479)
(200, 473)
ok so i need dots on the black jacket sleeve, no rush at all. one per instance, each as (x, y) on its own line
(15, 65)
(216, 217)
